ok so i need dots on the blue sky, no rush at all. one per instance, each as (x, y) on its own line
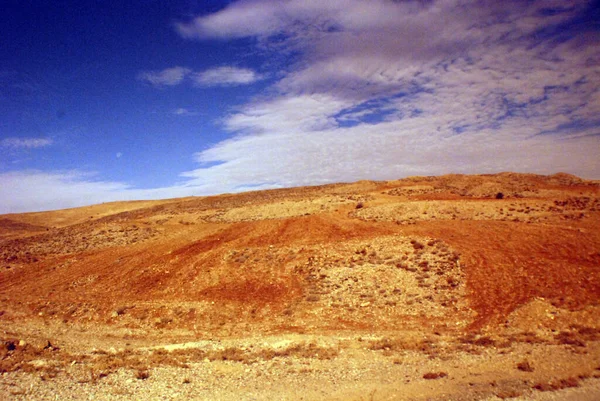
(107, 100)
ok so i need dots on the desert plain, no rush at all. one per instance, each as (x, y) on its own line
(457, 287)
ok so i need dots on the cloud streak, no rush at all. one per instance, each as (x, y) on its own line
(218, 76)
(226, 76)
(34, 190)
(183, 112)
(25, 143)
(167, 77)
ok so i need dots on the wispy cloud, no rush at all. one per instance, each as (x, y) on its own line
(218, 76)
(259, 17)
(25, 143)
(34, 190)
(226, 76)
(167, 77)
(302, 113)
(182, 111)
(383, 89)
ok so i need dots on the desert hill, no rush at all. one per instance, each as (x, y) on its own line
(489, 284)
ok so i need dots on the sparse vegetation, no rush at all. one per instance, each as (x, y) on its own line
(279, 284)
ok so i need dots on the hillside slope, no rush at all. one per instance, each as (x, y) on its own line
(400, 275)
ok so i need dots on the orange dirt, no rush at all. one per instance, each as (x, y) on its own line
(508, 265)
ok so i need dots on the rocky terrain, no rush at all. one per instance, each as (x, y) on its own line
(426, 288)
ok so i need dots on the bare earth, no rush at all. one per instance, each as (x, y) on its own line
(426, 288)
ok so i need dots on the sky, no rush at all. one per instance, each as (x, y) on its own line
(147, 99)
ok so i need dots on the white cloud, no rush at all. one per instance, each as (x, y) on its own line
(384, 151)
(25, 143)
(287, 114)
(27, 191)
(226, 76)
(303, 17)
(181, 111)
(259, 18)
(34, 191)
(167, 77)
(218, 76)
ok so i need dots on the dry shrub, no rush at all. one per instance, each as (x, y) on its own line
(587, 333)
(434, 375)
(417, 245)
(474, 339)
(230, 354)
(569, 338)
(142, 374)
(452, 282)
(557, 384)
(102, 364)
(300, 350)
(504, 394)
(16, 357)
(388, 344)
(485, 342)
(120, 310)
(525, 366)
(313, 298)
(526, 337)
